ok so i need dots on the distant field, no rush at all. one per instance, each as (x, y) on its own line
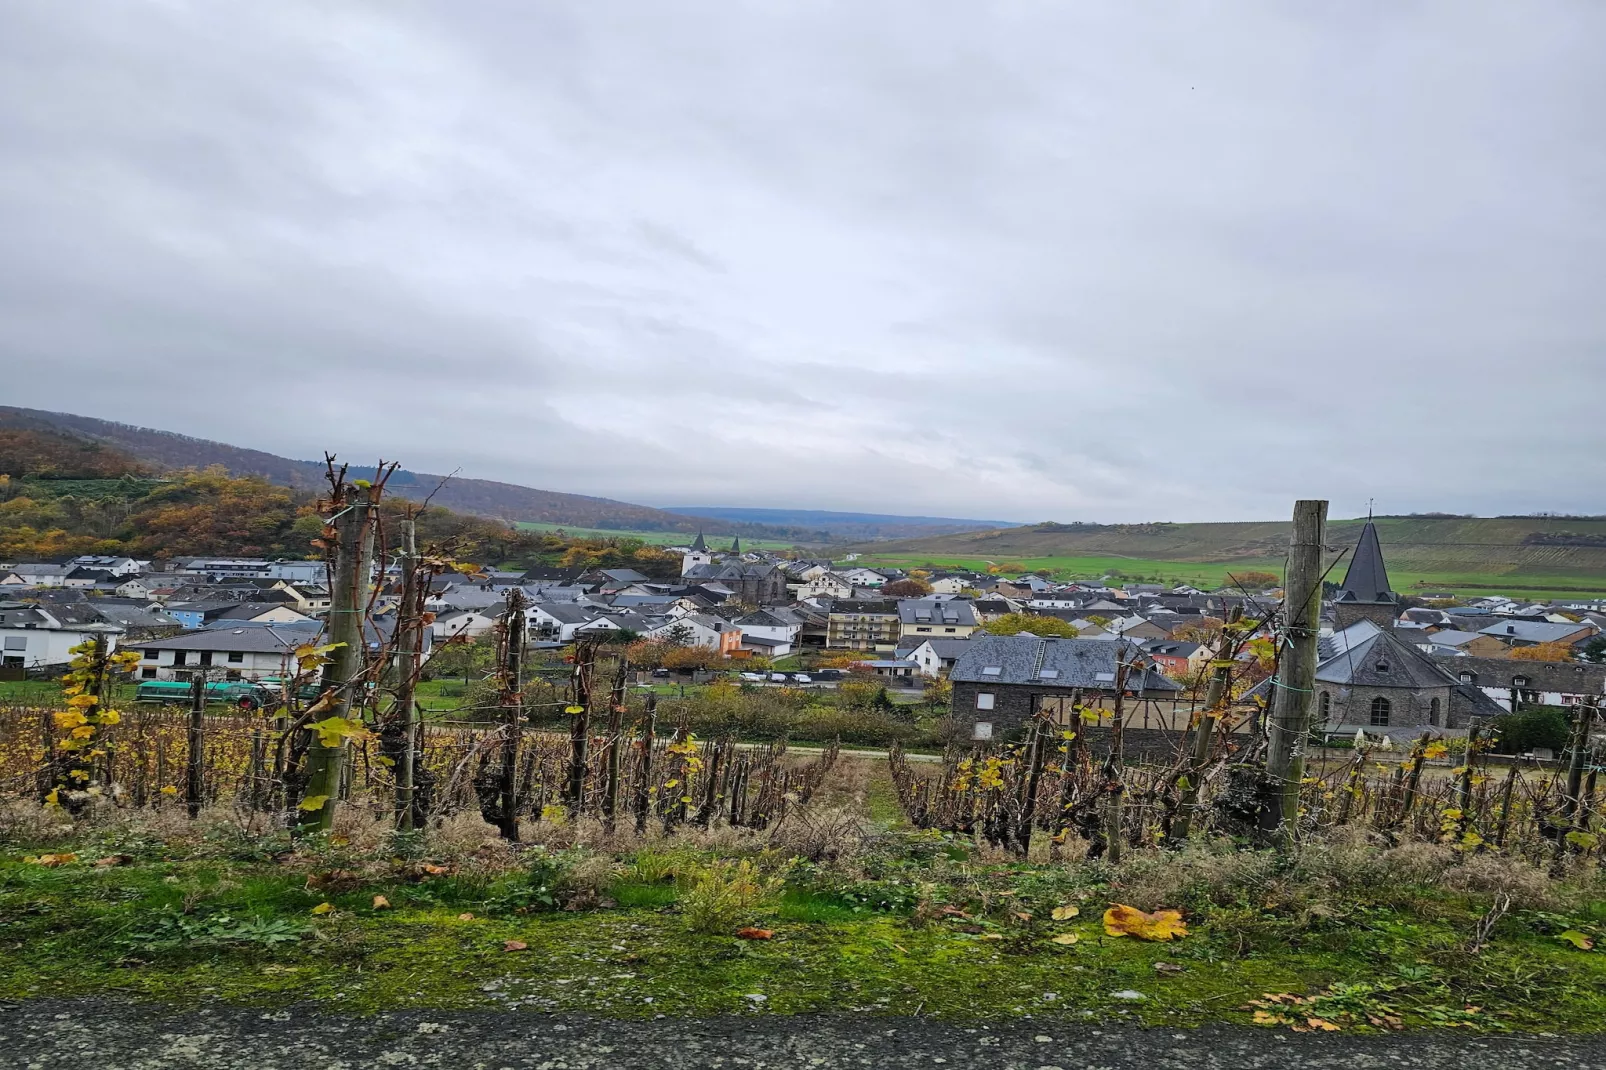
(1523, 584)
(654, 538)
(1539, 556)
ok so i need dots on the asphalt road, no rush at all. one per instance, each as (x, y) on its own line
(44, 1035)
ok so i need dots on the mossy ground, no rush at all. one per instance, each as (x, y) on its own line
(839, 947)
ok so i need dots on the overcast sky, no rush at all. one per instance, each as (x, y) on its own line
(1096, 261)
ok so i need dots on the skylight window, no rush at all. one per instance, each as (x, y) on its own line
(1049, 674)
(992, 670)
(1104, 677)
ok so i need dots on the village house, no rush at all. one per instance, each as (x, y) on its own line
(919, 617)
(1177, 658)
(36, 636)
(1002, 681)
(699, 629)
(863, 624)
(1545, 683)
(935, 656)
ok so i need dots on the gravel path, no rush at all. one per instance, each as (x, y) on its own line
(46, 1034)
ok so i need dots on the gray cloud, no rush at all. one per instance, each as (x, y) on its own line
(1026, 260)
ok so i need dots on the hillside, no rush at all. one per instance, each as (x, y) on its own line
(166, 451)
(850, 526)
(1534, 552)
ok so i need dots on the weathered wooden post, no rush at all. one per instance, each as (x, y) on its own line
(194, 770)
(1296, 672)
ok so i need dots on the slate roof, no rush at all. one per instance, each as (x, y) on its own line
(698, 545)
(1565, 677)
(1383, 661)
(934, 611)
(885, 607)
(1084, 663)
(1367, 580)
(947, 647)
(1532, 631)
(1446, 637)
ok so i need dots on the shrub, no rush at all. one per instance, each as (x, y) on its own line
(1521, 732)
(724, 896)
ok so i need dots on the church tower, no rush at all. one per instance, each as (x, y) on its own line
(1366, 594)
(736, 545)
(697, 555)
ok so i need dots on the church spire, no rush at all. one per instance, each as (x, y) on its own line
(1367, 580)
(736, 544)
(699, 546)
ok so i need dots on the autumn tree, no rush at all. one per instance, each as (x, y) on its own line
(1543, 652)
(908, 588)
(1015, 623)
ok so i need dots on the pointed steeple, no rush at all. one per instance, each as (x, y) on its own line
(699, 546)
(736, 544)
(1367, 580)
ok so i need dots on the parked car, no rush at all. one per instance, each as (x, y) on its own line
(660, 674)
(802, 678)
(828, 674)
(777, 678)
(240, 693)
(753, 677)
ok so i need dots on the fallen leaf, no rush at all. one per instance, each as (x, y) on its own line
(381, 903)
(1168, 967)
(465, 917)
(1065, 938)
(753, 933)
(56, 860)
(114, 860)
(1022, 915)
(515, 945)
(323, 908)
(1321, 1023)
(951, 912)
(1122, 920)
(1065, 913)
(1582, 941)
(992, 936)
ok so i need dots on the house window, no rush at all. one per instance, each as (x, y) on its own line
(1380, 712)
(1469, 678)
(1433, 712)
(992, 670)
(1383, 666)
(927, 629)
(16, 642)
(1325, 704)
(984, 700)
(1519, 681)
(148, 673)
(984, 730)
(950, 629)
(236, 657)
(1048, 674)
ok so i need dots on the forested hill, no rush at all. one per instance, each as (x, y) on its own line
(1510, 546)
(158, 451)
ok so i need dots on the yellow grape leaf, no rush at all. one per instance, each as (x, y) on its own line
(54, 798)
(1582, 941)
(323, 908)
(381, 903)
(574, 709)
(1435, 750)
(170, 790)
(313, 802)
(1322, 1024)
(69, 719)
(1122, 920)
(332, 731)
(81, 701)
(1065, 938)
(1065, 913)
(110, 717)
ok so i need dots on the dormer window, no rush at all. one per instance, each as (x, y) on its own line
(1382, 666)
(1519, 681)
(992, 670)
(1469, 678)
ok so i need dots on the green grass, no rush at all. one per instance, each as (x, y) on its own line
(181, 931)
(1519, 584)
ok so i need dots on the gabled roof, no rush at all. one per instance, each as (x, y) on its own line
(1384, 661)
(1532, 631)
(1367, 580)
(1057, 663)
(936, 611)
(698, 545)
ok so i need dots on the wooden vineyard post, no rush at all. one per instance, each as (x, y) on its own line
(343, 672)
(1295, 681)
(194, 761)
(643, 787)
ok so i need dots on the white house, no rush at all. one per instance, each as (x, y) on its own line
(472, 623)
(117, 566)
(862, 577)
(36, 574)
(948, 585)
(934, 656)
(37, 636)
(825, 585)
